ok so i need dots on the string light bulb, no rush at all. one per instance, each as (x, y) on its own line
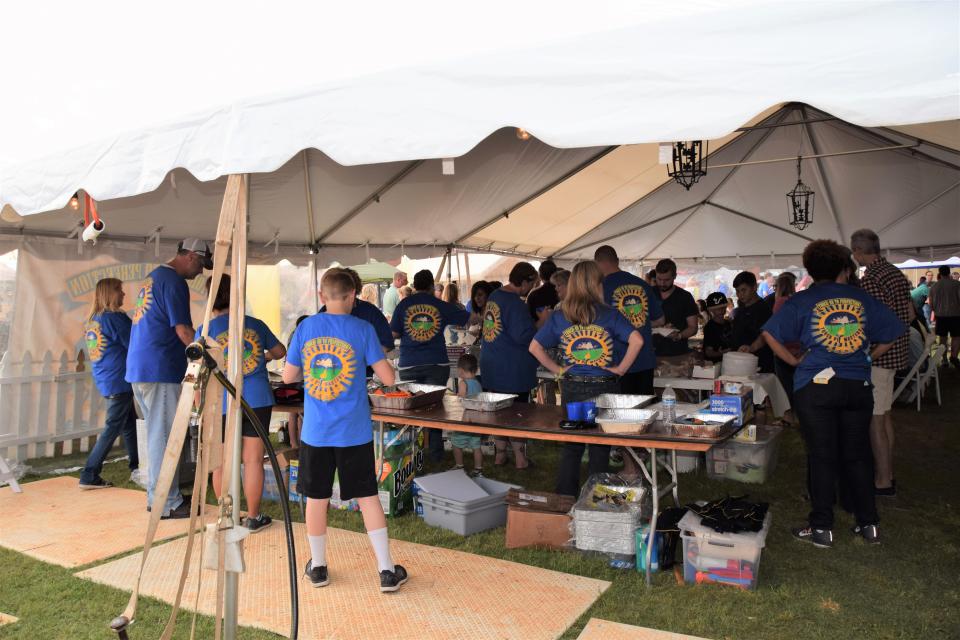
(523, 134)
(75, 201)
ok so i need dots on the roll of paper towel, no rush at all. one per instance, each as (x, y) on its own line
(739, 364)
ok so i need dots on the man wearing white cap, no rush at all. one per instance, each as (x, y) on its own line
(156, 362)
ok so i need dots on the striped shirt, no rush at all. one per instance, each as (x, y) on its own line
(887, 284)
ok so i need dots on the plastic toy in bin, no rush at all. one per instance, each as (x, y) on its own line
(608, 513)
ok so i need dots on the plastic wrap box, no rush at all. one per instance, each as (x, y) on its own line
(606, 531)
(740, 406)
(746, 461)
(535, 528)
(395, 482)
(467, 517)
(721, 558)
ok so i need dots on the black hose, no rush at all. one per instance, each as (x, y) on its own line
(195, 351)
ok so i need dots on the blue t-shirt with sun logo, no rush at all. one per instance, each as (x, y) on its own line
(835, 325)
(505, 359)
(257, 338)
(107, 336)
(156, 353)
(639, 303)
(334, 350)
(419, 320)
(586, 349)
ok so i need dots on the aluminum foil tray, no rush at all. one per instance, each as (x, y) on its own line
(487, 401)
(622, 401)
(712, 424)
(430, 394)
(626, 420)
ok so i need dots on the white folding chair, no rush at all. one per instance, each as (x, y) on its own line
(6, 476)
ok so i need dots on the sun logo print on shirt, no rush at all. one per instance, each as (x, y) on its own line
(251, 350)
(838, 325)
(96, 343)
(492, 325)
(143, 301)
(631, 301)
(422, 322)
(330, 368)
(587, 345)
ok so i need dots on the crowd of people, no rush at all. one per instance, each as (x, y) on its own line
(836, 344)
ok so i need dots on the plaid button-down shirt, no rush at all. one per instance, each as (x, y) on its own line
(887, 284)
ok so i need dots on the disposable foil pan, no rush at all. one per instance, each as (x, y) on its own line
(487, 401)
(622, 401)
(626, 420)
(712, 424)
(430, 394)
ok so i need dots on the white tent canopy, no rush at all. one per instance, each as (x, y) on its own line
(351, 161)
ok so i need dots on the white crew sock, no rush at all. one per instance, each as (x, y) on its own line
(381, 547)
(318, 550)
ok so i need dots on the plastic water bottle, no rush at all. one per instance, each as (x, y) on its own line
(669, 402)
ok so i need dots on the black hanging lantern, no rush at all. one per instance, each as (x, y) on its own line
(689, 162)
(800, 203)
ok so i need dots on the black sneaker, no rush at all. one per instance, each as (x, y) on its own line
(316, 575)
(257, 524)
(955, 362)
(870, 533)
(181, 512)
(99, 483)
(887, 492)
(392, 580)
(477, 473)
(822, 538)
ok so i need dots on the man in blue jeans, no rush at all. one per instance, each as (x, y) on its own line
(156, 362)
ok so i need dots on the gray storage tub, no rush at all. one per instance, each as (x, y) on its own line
(470, 516)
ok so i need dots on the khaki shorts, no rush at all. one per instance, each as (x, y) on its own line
(882, 380)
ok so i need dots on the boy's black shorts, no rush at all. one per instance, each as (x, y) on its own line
(263, 413)
(355, 467)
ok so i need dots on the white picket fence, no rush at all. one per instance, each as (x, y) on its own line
(47, 407)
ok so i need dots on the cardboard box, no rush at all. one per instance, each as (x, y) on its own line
(530, 528)
(740, 406)
(540, 501)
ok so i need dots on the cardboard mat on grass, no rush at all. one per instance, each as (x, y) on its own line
(6, 619)
(450, 594)
(598, 629)
(54, 521)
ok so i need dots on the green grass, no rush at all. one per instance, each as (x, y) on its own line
(908, 587)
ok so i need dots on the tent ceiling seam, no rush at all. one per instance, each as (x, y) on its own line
(788, 108)
(827, 192)
(536, 194)
(920, 207)
(373, 197)
(631, 230)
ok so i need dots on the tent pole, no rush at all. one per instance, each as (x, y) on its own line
(443, 261)
(631, 230)
(759, 221)
(459, 278)
(466, 267)
(449, 264)
(238, 294)
(816, 155)
(536, 194)
(373, 197)
(308, 197)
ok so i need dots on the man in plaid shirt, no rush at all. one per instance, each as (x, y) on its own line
(887, 284)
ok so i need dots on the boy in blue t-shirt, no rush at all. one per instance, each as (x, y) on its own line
(259, 346)
(333, 349)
